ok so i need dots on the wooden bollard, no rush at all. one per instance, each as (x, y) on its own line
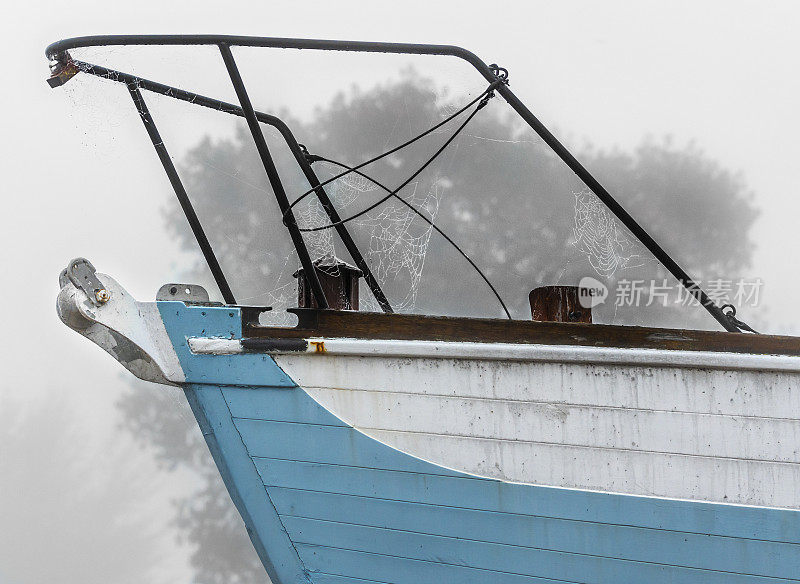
(558, 304)
(339, 282)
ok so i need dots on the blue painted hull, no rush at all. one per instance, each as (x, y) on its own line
(325, 503)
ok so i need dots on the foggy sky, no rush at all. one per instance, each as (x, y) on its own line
(721, 73)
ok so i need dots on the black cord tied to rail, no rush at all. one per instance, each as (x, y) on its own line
(731, 316)
(481, 100)
(500, 72)
(311, 158)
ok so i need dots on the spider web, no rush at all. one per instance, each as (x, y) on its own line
(398, 238)
(399, 241)
(607, 246)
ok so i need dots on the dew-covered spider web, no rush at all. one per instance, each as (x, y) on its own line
(397, 238)
(393, 238)
(599, 235)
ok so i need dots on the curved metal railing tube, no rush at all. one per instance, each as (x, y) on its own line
(59, 49)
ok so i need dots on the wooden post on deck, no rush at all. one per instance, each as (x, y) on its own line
(339, 281)
(558, 304)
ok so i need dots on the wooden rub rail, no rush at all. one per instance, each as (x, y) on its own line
(363, 325)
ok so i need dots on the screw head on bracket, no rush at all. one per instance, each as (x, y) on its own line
(102, 295)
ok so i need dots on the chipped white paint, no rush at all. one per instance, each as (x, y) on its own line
(629, 421)
(215, 346)
(132, 332)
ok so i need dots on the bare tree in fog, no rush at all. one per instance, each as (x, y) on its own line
(501, 194)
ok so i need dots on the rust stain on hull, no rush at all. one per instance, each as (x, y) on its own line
(319, 346)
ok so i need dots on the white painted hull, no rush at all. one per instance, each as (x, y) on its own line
(629, 425)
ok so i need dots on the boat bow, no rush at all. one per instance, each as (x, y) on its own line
(130, 331)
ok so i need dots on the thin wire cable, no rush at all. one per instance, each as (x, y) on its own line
(414, 175)
(492, 86)
(424, 218)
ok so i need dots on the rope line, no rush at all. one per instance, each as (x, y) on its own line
(484, 99)
(486, 93)
(424, 218)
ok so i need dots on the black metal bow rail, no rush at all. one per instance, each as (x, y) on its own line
(64, 68)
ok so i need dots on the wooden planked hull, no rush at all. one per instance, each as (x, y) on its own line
(351, 468)
(353, 508)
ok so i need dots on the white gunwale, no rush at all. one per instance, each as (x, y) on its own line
(521, 352)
